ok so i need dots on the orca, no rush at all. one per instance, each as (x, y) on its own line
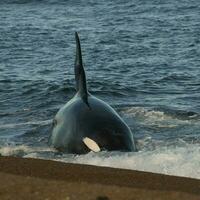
(86, 123)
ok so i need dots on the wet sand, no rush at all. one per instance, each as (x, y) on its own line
(22, 178)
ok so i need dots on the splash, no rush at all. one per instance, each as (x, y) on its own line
(24, 151)
(182, 161)
(179, 161)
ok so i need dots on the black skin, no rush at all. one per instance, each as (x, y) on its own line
(99, 122)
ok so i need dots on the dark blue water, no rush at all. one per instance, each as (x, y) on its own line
(142, 57)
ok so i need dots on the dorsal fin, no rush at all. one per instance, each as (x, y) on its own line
(81, 84)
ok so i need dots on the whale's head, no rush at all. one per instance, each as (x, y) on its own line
(65, 135)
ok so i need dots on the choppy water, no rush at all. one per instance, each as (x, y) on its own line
(142, 57)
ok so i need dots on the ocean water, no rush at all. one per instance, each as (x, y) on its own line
(141, 57)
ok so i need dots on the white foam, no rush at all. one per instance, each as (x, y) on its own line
(14, 150)
(181, 161)
(23, 150)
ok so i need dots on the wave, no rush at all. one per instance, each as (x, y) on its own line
(23, 150)
(166, 118)
(176, 77)
(182, 161)
(177, 157)
(179, 161)
(14, 125)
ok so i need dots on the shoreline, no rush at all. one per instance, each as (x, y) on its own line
(29, 178)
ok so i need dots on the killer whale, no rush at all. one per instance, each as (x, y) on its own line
(87, 123)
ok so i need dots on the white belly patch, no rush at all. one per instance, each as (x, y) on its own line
(91, 144)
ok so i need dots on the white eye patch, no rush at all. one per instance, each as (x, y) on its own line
(91, 144)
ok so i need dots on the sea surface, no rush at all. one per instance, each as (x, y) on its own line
(142, 57)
